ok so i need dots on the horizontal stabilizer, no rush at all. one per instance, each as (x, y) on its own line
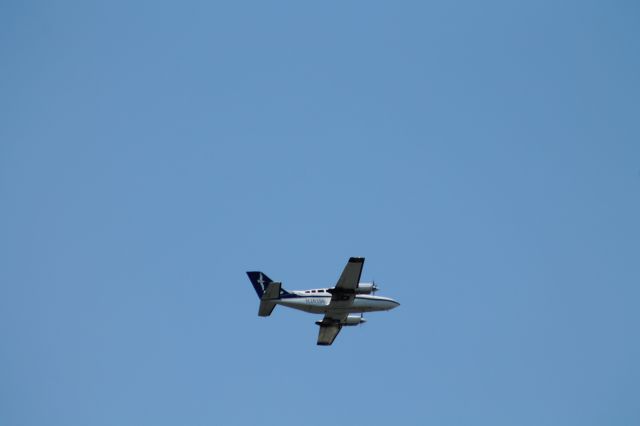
(268, 299)
(266, 307)
(272, 291)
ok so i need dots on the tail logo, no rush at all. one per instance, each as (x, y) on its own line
(261, 282)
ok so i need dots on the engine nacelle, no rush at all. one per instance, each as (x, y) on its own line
(354, 319)
(366, 288)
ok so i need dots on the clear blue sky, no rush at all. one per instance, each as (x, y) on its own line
(483, 156)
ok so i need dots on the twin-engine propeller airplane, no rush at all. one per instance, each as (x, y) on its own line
(341, 305)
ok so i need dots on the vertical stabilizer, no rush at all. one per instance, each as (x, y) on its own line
(260, 282)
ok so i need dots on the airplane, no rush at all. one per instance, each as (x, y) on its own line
(342, 305)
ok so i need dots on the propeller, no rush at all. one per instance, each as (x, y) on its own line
(374, 288)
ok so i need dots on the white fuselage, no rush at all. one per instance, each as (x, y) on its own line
(317, 302)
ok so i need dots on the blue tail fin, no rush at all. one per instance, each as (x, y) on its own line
(260, 281)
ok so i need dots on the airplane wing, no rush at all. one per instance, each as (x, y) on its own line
(342, 296)
(345, 290)
(350, 277)
(330, 326)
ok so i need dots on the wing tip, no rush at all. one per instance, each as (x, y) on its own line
(356, 260)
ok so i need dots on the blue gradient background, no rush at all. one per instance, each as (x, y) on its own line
(483, 156)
